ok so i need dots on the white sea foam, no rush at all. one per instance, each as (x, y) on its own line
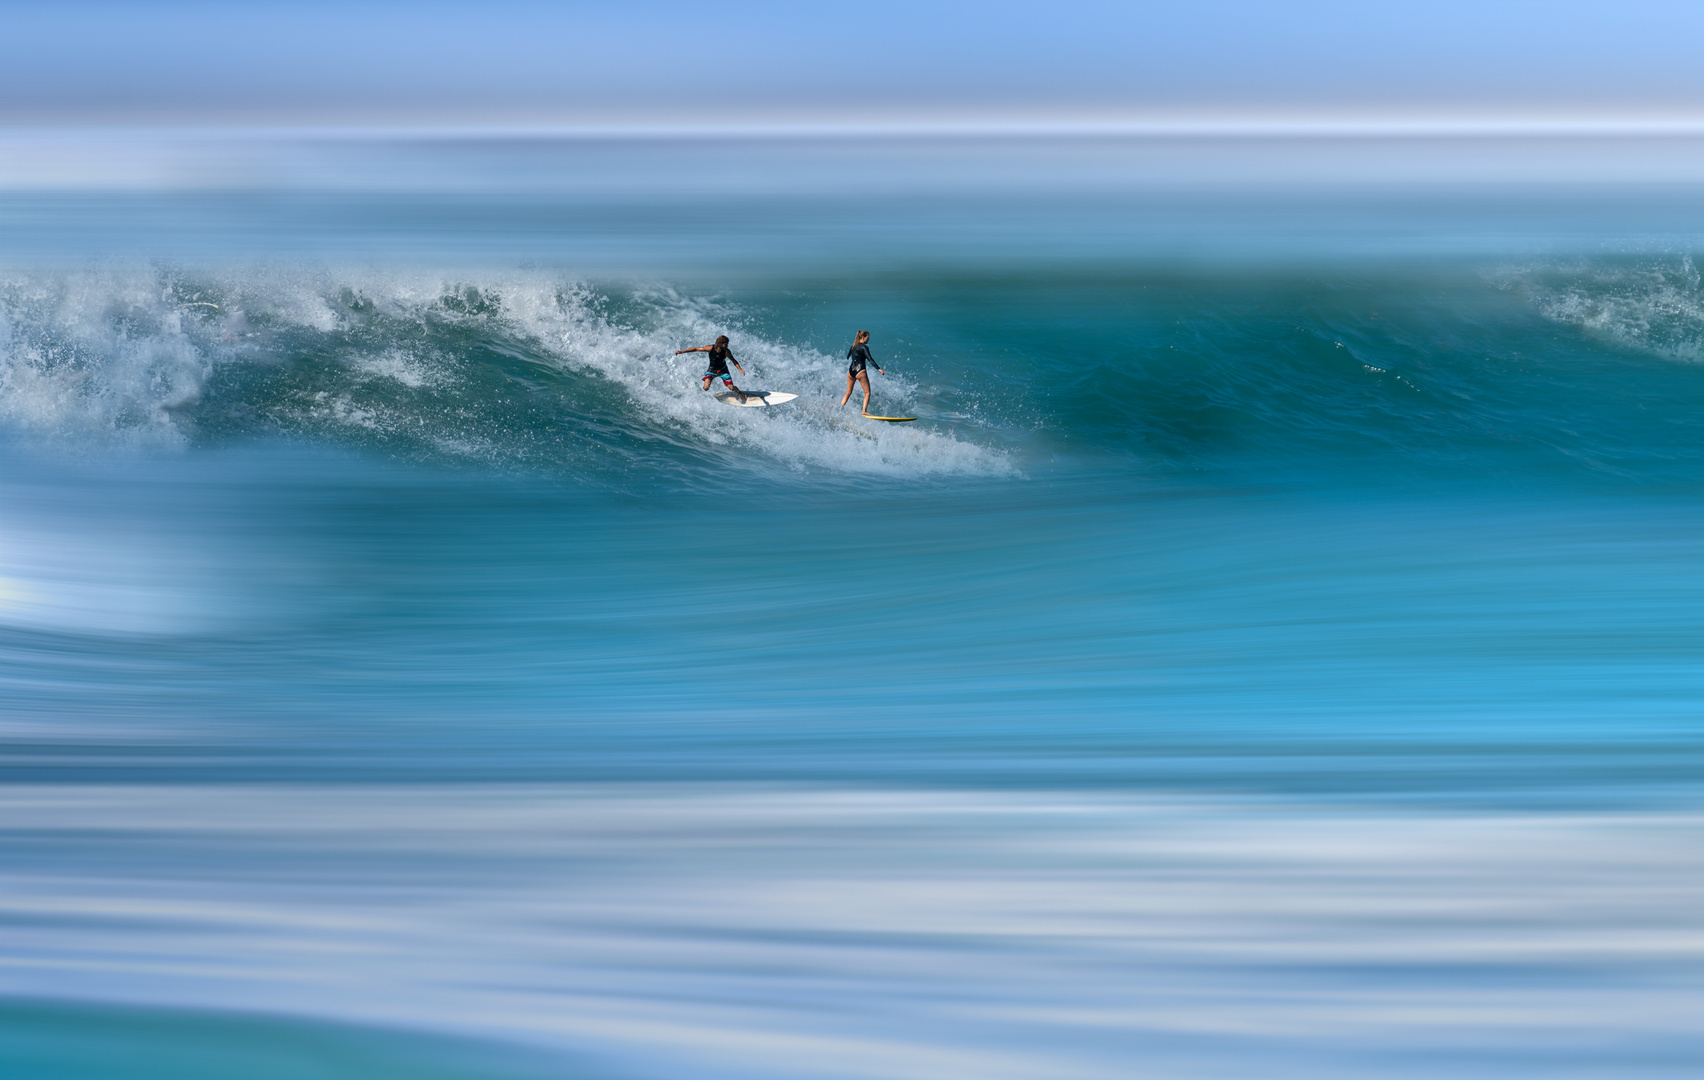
(96, 353)
(1651, 304)
(401, 366)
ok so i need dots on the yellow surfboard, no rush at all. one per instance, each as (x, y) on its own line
(891, 419)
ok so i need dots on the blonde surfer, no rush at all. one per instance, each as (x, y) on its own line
(859, 355)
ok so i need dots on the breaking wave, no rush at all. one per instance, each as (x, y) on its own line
(518, 369)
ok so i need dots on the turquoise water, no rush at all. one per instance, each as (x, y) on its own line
(61, 1040)
(392, 634)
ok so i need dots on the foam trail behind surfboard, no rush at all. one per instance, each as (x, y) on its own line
(755, 399)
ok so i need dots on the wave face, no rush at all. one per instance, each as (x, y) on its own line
(1561, 371)
(1277, 663)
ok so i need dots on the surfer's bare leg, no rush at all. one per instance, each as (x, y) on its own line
(730, 385)
(706, 382)
(850, 381)
(865, 380)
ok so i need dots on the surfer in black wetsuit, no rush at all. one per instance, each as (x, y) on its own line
(720, 357)
(859, 355)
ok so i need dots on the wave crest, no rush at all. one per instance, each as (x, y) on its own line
(1654, 305)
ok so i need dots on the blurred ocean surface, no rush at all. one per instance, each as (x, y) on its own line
(1274, 652)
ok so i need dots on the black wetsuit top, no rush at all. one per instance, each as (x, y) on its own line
(719, 357)
(859, 355)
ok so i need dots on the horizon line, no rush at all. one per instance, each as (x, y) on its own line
(1229, 128)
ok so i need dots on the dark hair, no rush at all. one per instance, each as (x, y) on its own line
(723, 340)
(862, 334)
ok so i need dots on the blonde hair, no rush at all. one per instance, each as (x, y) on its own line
(863, 335)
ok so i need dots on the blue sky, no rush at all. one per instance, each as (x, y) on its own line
(734, 63)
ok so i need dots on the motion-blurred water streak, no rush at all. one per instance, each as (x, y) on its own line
(779, 930)
(1274, 650)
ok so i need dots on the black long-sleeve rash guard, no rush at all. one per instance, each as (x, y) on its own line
(859, 355)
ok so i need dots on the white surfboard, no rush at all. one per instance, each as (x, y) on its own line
(755, 399)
